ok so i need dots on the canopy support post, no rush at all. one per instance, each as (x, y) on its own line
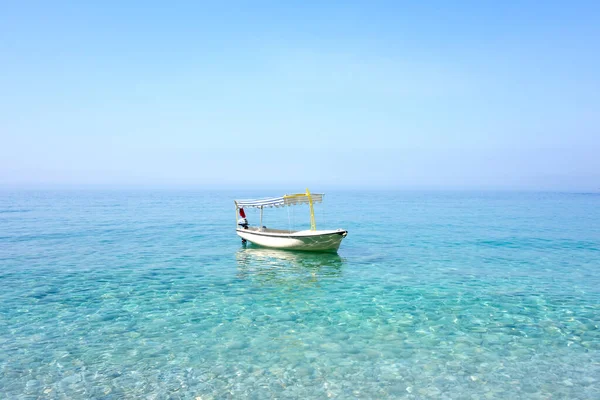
(237, 214)
(261, 215)
(313, 224)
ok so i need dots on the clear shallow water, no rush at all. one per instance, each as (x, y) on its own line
(112, 294)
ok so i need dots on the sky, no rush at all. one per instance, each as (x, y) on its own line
(442, 95)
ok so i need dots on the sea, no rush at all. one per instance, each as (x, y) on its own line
(149, 294)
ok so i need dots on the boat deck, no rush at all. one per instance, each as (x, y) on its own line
(269, 230)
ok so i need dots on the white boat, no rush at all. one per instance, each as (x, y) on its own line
(306, 240)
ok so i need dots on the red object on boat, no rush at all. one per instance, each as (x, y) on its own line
(242, 213)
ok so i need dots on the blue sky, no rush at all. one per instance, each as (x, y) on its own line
(465, 95)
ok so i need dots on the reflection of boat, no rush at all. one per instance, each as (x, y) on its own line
(282, 266)
(307, 240)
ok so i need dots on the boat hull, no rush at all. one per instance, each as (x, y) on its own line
(302, 240)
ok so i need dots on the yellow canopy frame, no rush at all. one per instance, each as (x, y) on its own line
(313, 224)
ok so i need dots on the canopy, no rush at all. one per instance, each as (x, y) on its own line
(286, 200)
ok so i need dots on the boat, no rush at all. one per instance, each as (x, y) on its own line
(304, 240)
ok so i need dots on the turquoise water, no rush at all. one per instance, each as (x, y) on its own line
(149, 294)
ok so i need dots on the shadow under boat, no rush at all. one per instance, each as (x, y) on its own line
(271, 265)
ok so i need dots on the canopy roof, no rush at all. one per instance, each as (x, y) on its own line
(286, 200)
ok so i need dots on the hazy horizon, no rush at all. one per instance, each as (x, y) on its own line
(268, 95)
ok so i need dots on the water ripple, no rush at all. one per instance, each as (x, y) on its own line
(166, 303)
